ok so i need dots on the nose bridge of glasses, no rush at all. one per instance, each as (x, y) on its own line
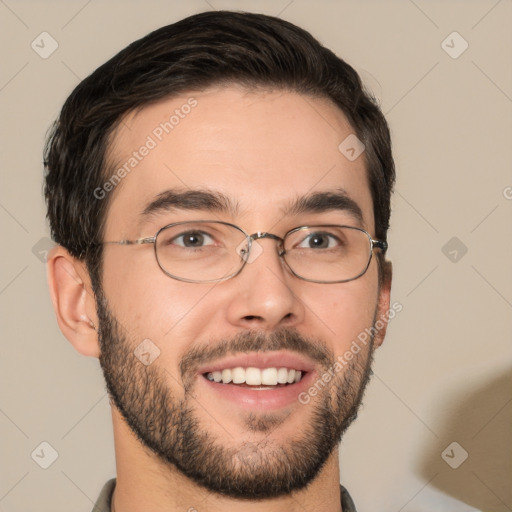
(263, 234)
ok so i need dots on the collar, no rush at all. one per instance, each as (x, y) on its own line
(104, 502)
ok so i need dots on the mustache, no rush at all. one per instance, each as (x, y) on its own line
(255, 341)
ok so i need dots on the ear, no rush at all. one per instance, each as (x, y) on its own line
(381, 322)
(73, 301)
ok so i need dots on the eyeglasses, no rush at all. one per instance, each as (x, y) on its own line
(206, 251)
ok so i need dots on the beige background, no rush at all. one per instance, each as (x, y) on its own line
(444, 373)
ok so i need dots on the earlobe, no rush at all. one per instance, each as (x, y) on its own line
(73, 301)
(381, 322)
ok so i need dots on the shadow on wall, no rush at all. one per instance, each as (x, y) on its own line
(472, 460)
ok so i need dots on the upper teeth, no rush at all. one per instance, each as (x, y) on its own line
(256, 376)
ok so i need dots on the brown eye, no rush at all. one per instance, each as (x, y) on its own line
(319, 240)
(192, 239)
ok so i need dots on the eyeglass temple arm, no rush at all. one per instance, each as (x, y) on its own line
(139, 241)
(380, 244)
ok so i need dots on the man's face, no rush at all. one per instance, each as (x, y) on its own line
(260, 154)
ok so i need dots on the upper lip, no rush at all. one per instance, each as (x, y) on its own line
(274, 359)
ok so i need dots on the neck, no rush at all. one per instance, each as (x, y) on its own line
(144, 482)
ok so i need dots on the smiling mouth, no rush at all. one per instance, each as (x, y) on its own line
(256, 378)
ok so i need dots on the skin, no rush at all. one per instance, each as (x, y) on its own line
(263, 150)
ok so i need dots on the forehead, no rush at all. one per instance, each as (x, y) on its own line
(262, 150)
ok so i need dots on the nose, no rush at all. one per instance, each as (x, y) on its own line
(264, 296)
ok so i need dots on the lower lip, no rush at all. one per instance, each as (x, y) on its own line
(259, 399)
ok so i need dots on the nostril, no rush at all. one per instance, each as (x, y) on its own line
(252, 317)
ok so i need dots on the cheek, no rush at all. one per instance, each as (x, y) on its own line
(343, 311)
(150, 305)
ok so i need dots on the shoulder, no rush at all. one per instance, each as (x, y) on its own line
(347, 504)
(104, 501)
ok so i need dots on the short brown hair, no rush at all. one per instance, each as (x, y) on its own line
(206, 49)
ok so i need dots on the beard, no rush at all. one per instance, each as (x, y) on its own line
(170, 427)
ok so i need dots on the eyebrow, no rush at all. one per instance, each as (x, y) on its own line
(320, 202)
(190, 200)
(216, 202)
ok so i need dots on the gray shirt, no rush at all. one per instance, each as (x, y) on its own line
(104, 501)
